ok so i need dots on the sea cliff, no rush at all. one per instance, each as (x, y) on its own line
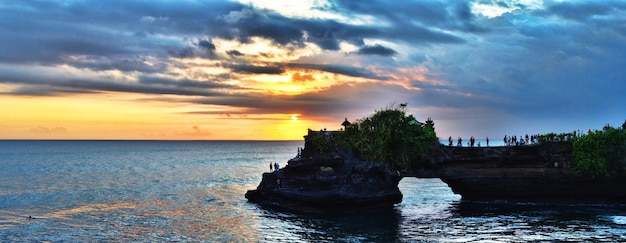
(531, 173)
(361, 165)
(338, 179)
(327, 181)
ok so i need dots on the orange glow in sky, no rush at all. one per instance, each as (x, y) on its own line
(112, 117)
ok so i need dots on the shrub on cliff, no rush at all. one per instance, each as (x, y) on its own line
(391, 136)
(600, 152)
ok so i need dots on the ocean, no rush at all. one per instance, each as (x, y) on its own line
(193, 191)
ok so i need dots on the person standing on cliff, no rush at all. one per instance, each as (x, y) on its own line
(271, 168)
(450, 141)
(527, 139)
(487, 141)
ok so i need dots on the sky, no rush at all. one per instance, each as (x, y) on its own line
(269, 70)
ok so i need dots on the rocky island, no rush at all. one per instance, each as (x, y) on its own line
(328, 180)
(360, 167)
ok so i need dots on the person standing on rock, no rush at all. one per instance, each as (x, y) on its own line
(271, 168)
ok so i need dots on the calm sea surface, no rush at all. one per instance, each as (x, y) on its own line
(147, 191)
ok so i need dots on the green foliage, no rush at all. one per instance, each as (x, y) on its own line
(323, 142)
(553, 137)
(390, 136)
(599, 152)
(588, 151)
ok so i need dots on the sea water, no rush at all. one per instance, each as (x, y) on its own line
(193, 191)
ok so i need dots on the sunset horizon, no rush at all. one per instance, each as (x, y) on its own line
(265, 70)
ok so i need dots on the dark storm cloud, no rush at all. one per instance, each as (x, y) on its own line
(38, 90)
(124, 64)
(415, 18)
(254, 69)
(235, 53)
(326, 34)
(114, 30)
(45, 31)
(208, 45)
(185, 83)
(47, 85)
(376, 50)
(586, 10)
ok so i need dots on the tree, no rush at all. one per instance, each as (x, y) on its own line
(391, 136)
(601, 152)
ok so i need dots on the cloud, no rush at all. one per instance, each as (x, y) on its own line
(185, 83)
(586, 11)
(46, 85)
(338, 69)
(235, 53)
(254, 69)
(302, 77)
(547, 61)
(208, 47)
(376, 50)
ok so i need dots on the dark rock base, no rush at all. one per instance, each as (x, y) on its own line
(329, 184)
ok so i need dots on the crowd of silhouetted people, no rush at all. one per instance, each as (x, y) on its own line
(508, 141)
(514, 140)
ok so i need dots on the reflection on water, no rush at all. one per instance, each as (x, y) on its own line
(194, 191)
(197, 215)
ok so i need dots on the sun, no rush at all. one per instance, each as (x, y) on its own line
(294, 117)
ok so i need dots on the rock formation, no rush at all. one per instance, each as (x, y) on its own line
(532, 173)
(336, 179)
(331, 180)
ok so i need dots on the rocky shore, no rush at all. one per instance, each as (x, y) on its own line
(329, 181)
(337, 179)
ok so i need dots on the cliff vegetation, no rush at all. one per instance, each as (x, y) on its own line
(388, 136)
(597, 153)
